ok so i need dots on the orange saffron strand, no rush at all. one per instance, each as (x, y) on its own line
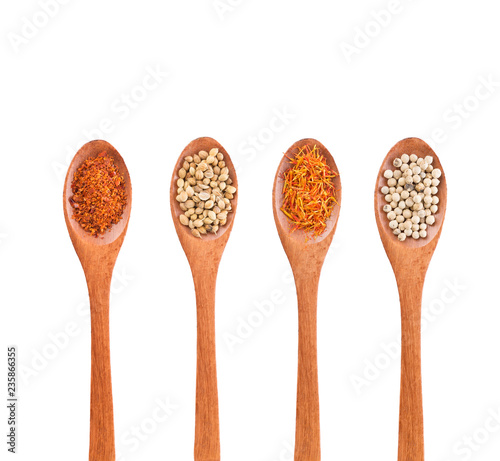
(308, 192)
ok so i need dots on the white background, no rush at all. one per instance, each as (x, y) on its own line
(229, 71)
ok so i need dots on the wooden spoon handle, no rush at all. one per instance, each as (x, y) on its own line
(411, 417)
(307, 431)
(102, 436)
(207, 442)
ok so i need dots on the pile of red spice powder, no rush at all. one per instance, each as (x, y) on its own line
(309, 192)
(99, 196)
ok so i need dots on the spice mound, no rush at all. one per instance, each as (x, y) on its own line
(204, 192)
(411, 196)
(99, 195)
(309, 192)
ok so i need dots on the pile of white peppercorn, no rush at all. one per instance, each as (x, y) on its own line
(411, 196)
(204, 192)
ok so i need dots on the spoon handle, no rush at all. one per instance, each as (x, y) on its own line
(207, 442)
(411, 417)
(307, 432)
(102, 438)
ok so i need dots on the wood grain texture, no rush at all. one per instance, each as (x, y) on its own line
(306, 260)
(98, 257)
(204, 256)
(410, 260)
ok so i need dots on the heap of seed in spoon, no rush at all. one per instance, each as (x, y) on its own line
(99, 196)
(411, 196)
(204, 192)
(309, 191)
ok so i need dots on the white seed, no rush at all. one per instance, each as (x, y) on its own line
(384, 190)
(393, 224)
(184, 220)
(405, 158)
(434, 209)
(436, 173)
(430, 220)
(391, 215)
(391, 182)
(415, 235)
(387, 208)
(402, 237)
(182, 197)
(388, 174)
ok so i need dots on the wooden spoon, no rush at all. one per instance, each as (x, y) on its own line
(306, 259)
(98, 256)
(410, 260)
(204, 255)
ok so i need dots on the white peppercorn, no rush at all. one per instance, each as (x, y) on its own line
(411, 194)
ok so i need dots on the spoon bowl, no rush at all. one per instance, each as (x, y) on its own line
(283, 224)
(92, 149)
(421, 149)
(184, 232)
(410, 260)
(98, 256)
(204, 255)
(306, 256)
